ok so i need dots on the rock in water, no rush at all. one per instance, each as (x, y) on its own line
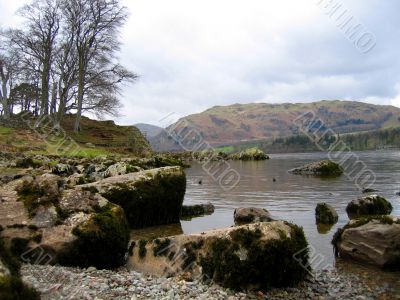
(149, 198)
(246, 215)
(260, 256)
(370, 240)
(189, 211)
(369, 205)
(369, 190)
(325, 214)
(321, 168)
(249, 154)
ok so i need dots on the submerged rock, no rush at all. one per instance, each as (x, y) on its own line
(260, 256)
(149, 198)
(325, 214)
(369, 190)
(370, 240)
(321, 168)
(249, 154)
(246, 215)
(189, 211)
(369, 205)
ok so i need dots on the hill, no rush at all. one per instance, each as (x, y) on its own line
(149, 130)
(242, 123)
(95, 138)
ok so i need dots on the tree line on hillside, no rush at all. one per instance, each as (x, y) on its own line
(372, 140)
(63, 59)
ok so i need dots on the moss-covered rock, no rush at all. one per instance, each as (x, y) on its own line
(369, 205)
(325, 214)
(149, 198)
(370, 240)
(102, 241)
(246, 215)
(42, 191)
(322, 168)
(11, 285)
(191, 211)
(259, 256)
(249, 154)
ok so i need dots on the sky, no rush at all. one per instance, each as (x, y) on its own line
(192, 55)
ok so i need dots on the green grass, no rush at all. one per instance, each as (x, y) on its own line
(225, 149)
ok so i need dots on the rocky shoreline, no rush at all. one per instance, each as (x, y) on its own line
(55, 282)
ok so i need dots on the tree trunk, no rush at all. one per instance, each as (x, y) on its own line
(44, 99)
(4, 100)
(53, 99)
(81, 85)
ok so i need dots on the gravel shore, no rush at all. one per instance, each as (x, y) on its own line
(73, 283)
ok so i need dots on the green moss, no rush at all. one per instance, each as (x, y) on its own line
(162, 247)
(266, 263)
(325, 215)
(249, 154)
(151, 202)
(102, 241)
(330, 168)
(37, 237)
(32, 196)
(91, 189)
(142, 248)
(11, 286)
(375, 205)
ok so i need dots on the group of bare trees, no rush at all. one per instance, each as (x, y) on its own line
(64, 59)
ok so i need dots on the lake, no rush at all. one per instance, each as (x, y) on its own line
(290, 197)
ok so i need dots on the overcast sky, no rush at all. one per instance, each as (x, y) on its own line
(192, 55)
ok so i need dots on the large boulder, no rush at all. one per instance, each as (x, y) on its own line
(373, 240)
(325, 214)
(149, 198)
(77, 227)
(321, 168)
(260, 256)
(249, 154)
(190, 211)
(369, 205)
(246, 215)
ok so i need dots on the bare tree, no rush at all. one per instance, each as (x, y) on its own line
(96, 24)
(38, 39)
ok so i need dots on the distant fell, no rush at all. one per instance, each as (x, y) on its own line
(149, 130)
(238, 123)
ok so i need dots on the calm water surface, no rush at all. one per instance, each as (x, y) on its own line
(291, 197)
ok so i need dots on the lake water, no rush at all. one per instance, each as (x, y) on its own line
(291, 197)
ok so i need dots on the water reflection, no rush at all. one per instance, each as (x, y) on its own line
(324, 228)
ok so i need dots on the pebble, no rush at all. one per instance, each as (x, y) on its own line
(55, 282)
